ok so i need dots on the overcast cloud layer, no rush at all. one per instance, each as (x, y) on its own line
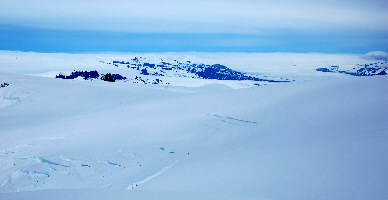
(196, 16)
(332, 26)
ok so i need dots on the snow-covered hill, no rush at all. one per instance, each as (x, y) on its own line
(140, 70)
(322, 136)
(372, 69)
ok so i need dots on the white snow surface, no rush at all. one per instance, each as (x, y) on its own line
(323, 136)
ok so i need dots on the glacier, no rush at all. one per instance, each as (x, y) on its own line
(317, 136)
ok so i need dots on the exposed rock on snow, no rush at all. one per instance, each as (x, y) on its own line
(371, 69)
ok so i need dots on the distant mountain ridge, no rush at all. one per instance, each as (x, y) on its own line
(372, 69)
(188, 69)
(149, 72)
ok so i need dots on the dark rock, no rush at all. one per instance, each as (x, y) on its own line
(144, 72)
(4, 85)
(108, 77)
(118, 77)
(85, 74)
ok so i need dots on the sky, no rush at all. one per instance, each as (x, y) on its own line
(334, 26)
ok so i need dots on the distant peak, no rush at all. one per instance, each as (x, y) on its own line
(376, 55)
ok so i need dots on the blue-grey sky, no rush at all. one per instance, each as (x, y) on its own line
(350, 26)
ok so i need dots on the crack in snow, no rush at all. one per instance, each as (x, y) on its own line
(160, 172)
(234, 119)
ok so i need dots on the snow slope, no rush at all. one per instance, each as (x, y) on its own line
(323, 136)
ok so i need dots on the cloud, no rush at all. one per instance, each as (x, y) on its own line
(376, 55)
(50, 40)
(196, 16)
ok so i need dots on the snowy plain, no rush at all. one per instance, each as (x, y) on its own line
(322, 136)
